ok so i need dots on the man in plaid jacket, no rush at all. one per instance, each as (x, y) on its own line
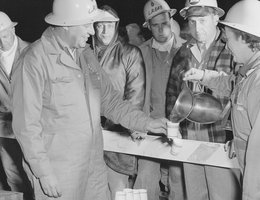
(206, 50)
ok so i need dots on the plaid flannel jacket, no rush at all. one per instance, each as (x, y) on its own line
(220, 59)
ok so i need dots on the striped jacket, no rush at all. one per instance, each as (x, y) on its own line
(220, 59)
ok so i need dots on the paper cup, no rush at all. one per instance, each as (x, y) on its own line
(172, 129)
(143, 194)
(120, 195)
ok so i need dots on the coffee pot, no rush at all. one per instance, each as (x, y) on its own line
(199, 107)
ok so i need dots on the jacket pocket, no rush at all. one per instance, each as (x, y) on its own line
(63, 91)
(63, 79)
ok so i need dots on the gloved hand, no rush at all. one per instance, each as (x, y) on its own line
(229, 146)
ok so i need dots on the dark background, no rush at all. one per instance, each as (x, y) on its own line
(30, 13)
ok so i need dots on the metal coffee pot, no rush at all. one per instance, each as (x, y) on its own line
(198, 107)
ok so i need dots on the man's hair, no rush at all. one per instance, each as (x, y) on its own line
(252, 41)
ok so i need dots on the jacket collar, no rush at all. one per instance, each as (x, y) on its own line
(55, 47)
(167, 46)
(251, 65)
(20, 47)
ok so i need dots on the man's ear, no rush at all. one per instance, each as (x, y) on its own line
(241, 39)
(148, 26)
(216, 19)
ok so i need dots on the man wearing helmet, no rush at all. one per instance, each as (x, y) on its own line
(11, 47)
(243, 40)
(205, 50)
(158, 53)
(124, 66)
(59, 93)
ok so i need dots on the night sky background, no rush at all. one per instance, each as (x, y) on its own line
(30, 13)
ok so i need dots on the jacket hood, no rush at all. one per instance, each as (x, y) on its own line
(115, 38)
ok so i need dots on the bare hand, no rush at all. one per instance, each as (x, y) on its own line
(157, 126)
(229, 146)
(193, 74)
(50, 186)
(137, 136)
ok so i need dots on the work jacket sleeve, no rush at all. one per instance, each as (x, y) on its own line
(251, 178)
(135, 77)
(119, 111)
(27, 87)
(219, 82)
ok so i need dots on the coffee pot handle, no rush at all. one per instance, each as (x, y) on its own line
(225, 110)
(200, 86)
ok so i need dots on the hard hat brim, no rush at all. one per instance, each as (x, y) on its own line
(61, 21)
(11, 26)
(107, 17)
(183, 12)
(250, 30)
(171, 11)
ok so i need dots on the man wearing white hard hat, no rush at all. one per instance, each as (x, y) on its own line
(11, 47)
(158, 53)
(59, 93)
(205, 50)
(243, 40)
(124, 66)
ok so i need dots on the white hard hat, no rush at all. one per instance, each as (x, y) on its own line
(155, 7)
(108, 17)
(244, 16)
(201, 3)
(5, 22)
(73, 12)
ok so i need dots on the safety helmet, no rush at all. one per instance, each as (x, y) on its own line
(244, 16)
(201, 3)
(5, 22)
(107, 17)
(110, 15)
(155, 7)
(73, 12)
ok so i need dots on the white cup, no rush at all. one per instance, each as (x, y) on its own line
(172, 129)
(120, 195)
(136, 194)
(128, 194)
(174, 133)
(143, 194)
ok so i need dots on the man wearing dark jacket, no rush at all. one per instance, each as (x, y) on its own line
(124, 65)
